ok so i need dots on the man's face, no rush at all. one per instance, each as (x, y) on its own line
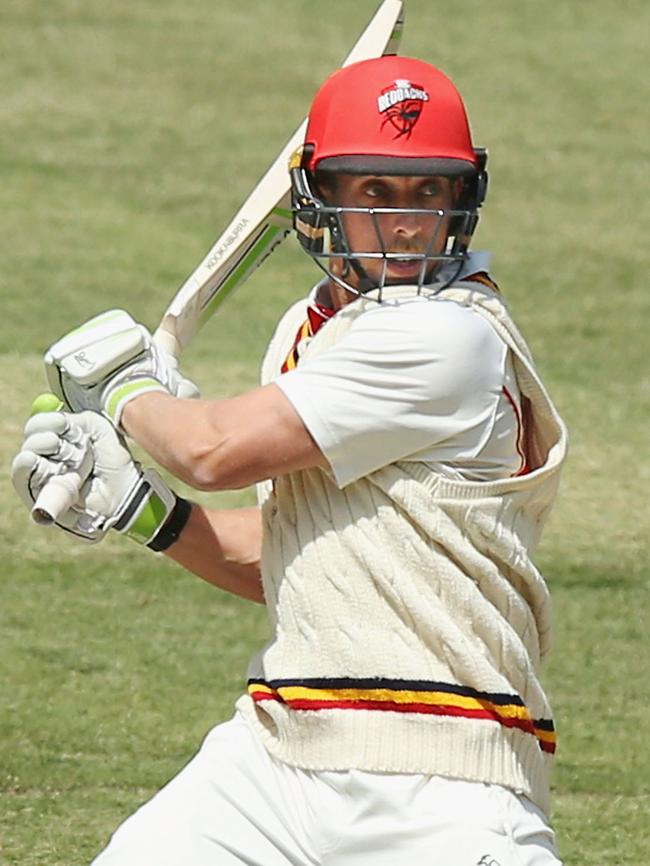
(401, 233)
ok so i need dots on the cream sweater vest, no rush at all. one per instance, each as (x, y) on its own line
(409, 619)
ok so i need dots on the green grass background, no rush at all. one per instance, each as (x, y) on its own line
(129, 132)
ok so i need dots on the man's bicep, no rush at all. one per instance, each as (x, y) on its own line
(290, 444)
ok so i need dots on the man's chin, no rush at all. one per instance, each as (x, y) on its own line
(409, 274)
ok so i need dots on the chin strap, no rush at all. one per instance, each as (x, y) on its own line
(365, 283)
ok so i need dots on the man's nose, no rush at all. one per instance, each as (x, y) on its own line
(406, 225)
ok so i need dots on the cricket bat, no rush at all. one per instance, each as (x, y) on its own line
(255, 231)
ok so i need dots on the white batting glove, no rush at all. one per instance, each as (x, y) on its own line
(108, 361)
(114, 491)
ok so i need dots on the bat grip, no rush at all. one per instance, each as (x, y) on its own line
(58, 495)
(167, 341)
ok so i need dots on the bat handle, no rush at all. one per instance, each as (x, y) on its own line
(167, 341)
(59, 494)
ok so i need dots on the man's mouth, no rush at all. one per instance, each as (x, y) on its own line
(404, 267)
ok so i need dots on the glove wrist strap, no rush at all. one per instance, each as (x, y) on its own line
(147, 510)
(117, 396)
(170, 531)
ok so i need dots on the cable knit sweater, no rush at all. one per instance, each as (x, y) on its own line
(409, 619)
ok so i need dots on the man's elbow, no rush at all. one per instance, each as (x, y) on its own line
(210, 467)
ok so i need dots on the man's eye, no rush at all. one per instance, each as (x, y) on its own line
(375, 190)
(431, 190)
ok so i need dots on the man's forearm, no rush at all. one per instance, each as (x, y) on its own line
(167, 429)
(223, 444)
(223, 547)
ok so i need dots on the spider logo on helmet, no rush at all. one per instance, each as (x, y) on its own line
(401, 106)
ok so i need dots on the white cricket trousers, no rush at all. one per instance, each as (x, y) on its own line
(234, 804)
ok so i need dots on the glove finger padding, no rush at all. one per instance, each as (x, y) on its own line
(54, 435)
(111, 479)
(119, 494)
(114, 491)
(54, 447)
(30, 473)
(109, 361)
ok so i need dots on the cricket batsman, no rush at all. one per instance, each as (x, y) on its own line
(406, 454)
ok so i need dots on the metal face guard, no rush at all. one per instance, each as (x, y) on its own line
(322, 232)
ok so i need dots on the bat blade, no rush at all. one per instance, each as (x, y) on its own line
(264, 220)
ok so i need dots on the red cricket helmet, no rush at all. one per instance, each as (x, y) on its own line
(390, 115)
